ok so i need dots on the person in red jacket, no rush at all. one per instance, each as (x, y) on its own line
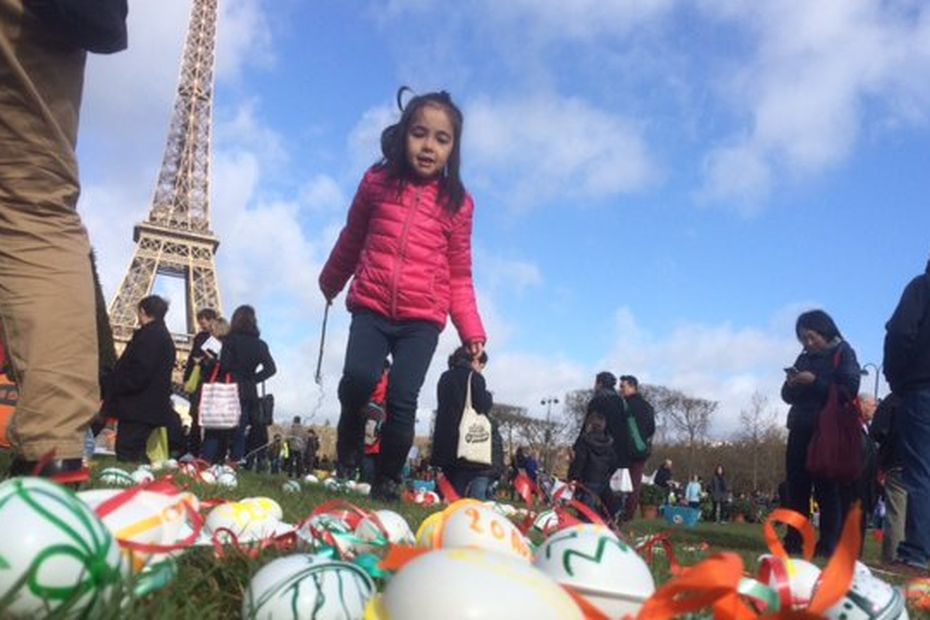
(407, 241)
(374, 414)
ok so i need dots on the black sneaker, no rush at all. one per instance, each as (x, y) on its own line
(69, 472)
(385, 490)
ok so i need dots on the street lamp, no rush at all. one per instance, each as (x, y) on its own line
(548, 402)
(877, 370)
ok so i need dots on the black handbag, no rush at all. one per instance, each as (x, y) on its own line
(265, 408)
(98, 26)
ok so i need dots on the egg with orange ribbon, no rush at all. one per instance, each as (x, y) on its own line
(477, 525)
(307, 587)
(869, 598)
(54, 552)
(793, 578)
(461, 584)
(594, 563)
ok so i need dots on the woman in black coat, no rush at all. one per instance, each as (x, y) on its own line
(141, 382)
(468, 479)
(826, 359)
(246, 357)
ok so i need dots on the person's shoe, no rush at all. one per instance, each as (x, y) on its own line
(385, 490)
(69, 472)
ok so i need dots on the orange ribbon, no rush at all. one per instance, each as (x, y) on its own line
(791, 519)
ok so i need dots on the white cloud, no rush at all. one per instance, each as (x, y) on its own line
(581, 19)
(510, 276)
(815, 71)
(364, 141)
(544, 148)
(717, 362)
(243, 38)
(323, 194)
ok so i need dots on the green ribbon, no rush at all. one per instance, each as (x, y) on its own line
(760, 592)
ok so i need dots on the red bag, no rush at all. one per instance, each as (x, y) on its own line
(835, 450)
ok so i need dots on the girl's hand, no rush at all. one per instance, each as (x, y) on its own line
(475, 348)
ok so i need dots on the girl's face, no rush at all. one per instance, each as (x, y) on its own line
(812, 341)
(430, 139)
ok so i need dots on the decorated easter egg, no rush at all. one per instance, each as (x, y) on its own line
(146, 517)
(327, 530)
(116, 477)
(333, 484)
(427, 530)
(142, 475)
(476, 525)
(588, 559)
(291, 486)
(396, 528)
(363, 488)
(243, 520)
(267, 504)
(793, 578)
(918, 594)
(546, 521)
(486, 585)
(307, 587)
(227, 479)
(310, 478)
(869, 598)
(207, 476)
(218, 470)
(54, 551)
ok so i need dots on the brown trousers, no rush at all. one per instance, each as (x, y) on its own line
(46, 287)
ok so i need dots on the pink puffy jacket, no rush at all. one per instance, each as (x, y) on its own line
(411, 258)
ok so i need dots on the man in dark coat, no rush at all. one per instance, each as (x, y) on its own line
(205, 318)
(907, 369)
(645, 417)
(142, 381)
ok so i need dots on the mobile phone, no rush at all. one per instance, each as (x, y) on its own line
(791, 371)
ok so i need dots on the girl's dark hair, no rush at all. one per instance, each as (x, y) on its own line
(606, 380)
(596, 422)
(394, 146)
(244, 322)
(207, 313)
(817, 321)
(154, 306)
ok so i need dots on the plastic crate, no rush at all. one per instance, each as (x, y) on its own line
(423, 485)
(681, 515)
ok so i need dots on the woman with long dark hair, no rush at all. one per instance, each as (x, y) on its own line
(826, 359)
(247, 358)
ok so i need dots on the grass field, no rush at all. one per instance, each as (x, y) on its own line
(209, 588)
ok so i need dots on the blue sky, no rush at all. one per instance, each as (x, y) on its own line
(661, 186)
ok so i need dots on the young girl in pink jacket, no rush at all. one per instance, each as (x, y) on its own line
(407, 242)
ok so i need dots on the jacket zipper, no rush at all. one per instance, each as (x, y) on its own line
(401, 254)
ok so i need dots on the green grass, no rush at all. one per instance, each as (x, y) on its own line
(209, 588)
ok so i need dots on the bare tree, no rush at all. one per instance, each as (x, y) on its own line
(757, 424)
(576, 409)
(690, 417)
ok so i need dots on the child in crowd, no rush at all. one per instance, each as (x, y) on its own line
(274, 453)
(408, 243)
(594, 461)
(693, 492)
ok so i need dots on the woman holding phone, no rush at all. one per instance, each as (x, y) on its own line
(825, 359)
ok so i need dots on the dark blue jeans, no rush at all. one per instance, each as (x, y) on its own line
(371, 338)
(828, 494)
(471, 483)
(912, 436)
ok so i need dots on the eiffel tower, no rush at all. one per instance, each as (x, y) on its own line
(176, 239)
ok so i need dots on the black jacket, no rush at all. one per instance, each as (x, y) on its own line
(663, 476)
(141, 381)
(807, 400)
(645, 417)
(196, 353)
(610, 405)
(907, 338)
(241, 356)
(882, 432)
(450, 401)
(595, 460)
(718, 488)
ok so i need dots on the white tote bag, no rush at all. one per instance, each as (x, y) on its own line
(621, 482)
(219, 404)
(474, 433)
